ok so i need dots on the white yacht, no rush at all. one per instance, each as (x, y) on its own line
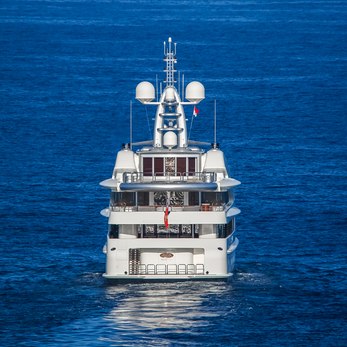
(171, 213)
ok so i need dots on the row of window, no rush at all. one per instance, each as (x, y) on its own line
(176, 198)
(168, 166)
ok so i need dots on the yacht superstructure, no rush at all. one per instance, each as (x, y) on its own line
(171, 213)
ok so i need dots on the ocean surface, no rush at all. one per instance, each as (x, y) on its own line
(68, 70)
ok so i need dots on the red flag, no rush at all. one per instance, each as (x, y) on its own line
(166, 218)
(195, 111)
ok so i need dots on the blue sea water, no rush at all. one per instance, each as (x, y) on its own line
(68, 69)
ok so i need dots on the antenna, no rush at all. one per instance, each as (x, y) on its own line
(179, 83)
(183, 87)
(170, 59)
(156, 86)
(215, 124)
(131, 123)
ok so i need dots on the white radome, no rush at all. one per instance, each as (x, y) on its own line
(170, 139)
(195, 91)
(145, 92)
(170, 94)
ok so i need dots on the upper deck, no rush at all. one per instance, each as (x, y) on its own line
(170, 161)
(170, 171)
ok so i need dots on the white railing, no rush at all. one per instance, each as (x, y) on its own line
(161, 208)
(166, 269)
(141, 177)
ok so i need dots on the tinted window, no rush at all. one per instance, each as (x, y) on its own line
(193, 198)
(143, 198)
(124, 199)
(147, 166)
(181, 165)
(191, 165)
(214, 198)
(159, 166)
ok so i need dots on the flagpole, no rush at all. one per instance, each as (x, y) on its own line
(166, 213)
(191, 125)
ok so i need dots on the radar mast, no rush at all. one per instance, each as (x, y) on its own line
(170, 59)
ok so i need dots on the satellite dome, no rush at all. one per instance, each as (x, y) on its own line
(170, 139)
(170, 94)
(145, 92)
(195, 92)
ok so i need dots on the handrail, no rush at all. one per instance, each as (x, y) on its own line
(155, 208)
(140, 177)
(167, 269)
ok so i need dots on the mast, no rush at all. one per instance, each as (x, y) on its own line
(170, 129)
(170, 59)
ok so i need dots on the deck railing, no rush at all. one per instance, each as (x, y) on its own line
(142, 177)
(203, 207)
(166, 269)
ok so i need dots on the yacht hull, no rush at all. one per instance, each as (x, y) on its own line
(200, 259)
